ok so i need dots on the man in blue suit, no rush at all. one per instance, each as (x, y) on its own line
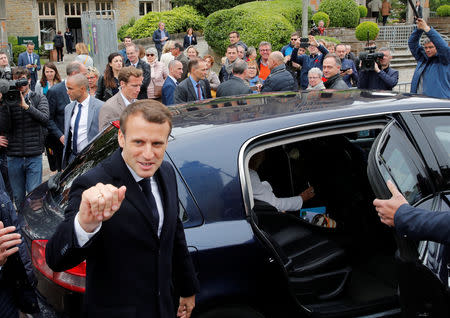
(31, 61)
(160, 36)
(57, 100)
(123, 219)
(80, 118)
(171, 82)
(417, 224)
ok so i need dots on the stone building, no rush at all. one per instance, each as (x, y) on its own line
(45, 17)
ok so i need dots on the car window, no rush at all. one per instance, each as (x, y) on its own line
(439, 126)
(400, 163)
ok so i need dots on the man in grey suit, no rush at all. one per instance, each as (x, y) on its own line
(80, 117)
(236, 85)
(130, 80)
(193, 88)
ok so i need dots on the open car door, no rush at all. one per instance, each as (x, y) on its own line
(422, 266)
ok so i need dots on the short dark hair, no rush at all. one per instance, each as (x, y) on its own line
(239, 66)
(126, 72)
(193, 63)
(232, 46)
(236, 32)
(127, 37)
(20, 71)
(30, 43)
(152, 111)
(178, 45)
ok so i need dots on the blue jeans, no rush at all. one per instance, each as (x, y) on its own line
(25, 174)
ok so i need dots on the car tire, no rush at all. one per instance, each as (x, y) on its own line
(232, 312)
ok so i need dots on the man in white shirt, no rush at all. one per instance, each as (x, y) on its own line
(80, 117)
(130, 80)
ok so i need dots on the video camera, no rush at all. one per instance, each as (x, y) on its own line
(368, 59)
(10, 90)
(314, 29)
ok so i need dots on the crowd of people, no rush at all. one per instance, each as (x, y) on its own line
(62, 116)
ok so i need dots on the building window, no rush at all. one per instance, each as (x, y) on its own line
(104, 5)
(145, 7)
(75, 8)
(47, 8)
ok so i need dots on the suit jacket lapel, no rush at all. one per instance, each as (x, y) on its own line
(119, 170)
(90, 114)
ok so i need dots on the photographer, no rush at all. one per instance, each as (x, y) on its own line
(382, 76)
(28, 116)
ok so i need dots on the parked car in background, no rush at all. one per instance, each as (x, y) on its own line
(253, 261)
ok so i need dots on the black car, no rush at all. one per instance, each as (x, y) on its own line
(253, 261)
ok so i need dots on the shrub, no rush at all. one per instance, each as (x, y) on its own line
(257, 21)
(13, 40)
(443, 11)
(206, 7)
(17, 49)
(343, 13)
(177, 20)
(363, 28)
(362, 11)
(124, 28)
(321, 16)
(327, 39)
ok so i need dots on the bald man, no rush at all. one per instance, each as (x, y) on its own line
(279, 78)
(80, 117)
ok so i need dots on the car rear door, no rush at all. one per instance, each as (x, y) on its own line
(409, 153)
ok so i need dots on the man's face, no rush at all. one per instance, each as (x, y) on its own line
(233, 38)
(127, 42)
(3, 60)
(386, 59)
(30, 48)
(161, 26)
(265, 51)
(175, 51)
(330, 68)
(313, 49)
(131, 89)
(143, 145)
(177, 70)
(301, 51)
(75, 92)
(231, 54)
(430, 49)
(132, 54)
(241, 52)
(294, 38)
(340, 51)
(199, 72)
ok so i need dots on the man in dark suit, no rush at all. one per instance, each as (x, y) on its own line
(171, 82)
(80, 119)
(57, 101)
(134, 60)
(236, 85)
(130, 80)
(31, 61)
(417, 224)
(123, 219)
(160, 36)
(193, 88)
(177, 52)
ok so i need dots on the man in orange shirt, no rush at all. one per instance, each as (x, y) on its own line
(265, 48)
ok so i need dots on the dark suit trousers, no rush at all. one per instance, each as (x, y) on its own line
(8, 308)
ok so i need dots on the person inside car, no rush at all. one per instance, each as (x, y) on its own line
(262, 190)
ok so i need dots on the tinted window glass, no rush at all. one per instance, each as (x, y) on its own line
(440, 128)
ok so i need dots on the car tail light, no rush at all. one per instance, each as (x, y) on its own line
(72, 279)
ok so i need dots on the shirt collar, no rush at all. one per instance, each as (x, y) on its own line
(193, 81)
(136, 177)
(125, 100)
(173, 79)
(85, 102)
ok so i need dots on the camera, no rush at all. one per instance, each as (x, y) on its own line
(10, 90)
(5, 73)
(369, 58)
(314, 29)
(304, 43)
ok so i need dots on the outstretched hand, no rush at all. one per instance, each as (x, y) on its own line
(387, 208)
(421, 24)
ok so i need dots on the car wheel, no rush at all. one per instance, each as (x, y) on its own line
(232, 312)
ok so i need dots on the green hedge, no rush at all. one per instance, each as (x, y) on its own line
(177, 20)
(327, 39)
(206, 7)
(257, 21)
(124, 28)
(321, 16)
(443, 11)
(17, 49)
(362, 11)
(368, 26)
(343, 13)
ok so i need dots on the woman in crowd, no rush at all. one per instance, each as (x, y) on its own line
(92, 76)
(211, 76)
(189, 38)
(83, 55)
(108, 84)
(166, 55)
(330, 47)
(251, 54)
(191, 52)
(253, 78)
(50, 77)
(159, 73)
(315, 79)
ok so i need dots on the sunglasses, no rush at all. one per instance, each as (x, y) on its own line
(151, 54)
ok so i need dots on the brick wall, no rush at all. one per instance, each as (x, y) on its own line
(126, 9)
(21, 18)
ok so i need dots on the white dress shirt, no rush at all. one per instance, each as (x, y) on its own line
(173, 79)
(82, 140)
(83, 236)
(125, 100)
(262, 191)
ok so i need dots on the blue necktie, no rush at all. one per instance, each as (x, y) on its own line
(151, 202)
(75, 131)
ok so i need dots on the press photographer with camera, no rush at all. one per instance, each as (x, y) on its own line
(27, 113)
(375, 72)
